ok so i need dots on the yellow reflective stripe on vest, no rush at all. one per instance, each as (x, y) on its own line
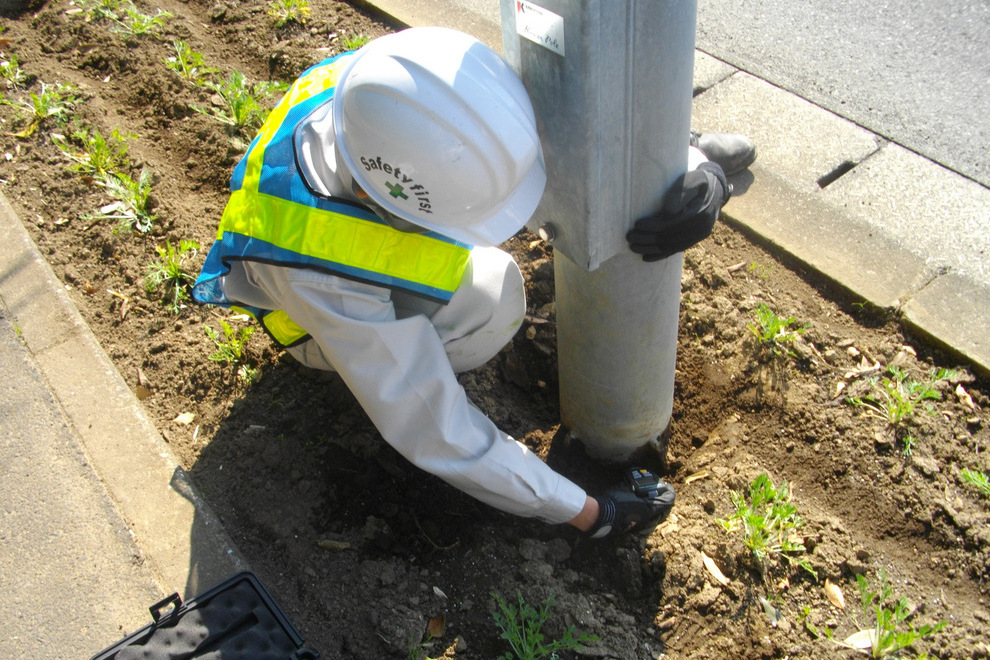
(285, 331)
(278, 324)
(347, 241)
(299, 229)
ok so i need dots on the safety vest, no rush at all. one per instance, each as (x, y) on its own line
(273, 217)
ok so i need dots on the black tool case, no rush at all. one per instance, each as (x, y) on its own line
(235, 620)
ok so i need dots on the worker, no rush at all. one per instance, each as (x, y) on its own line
(361, 230)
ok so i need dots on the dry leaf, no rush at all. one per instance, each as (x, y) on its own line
(332, 545)
(185, 418)
(861, 640)
(700, 474)
(964, 397)
(774, 614)
(142, 392)
(834, 594)
(714, 569)
(783, 585)
(437, 625)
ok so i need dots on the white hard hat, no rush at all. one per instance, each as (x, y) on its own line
(437, 129)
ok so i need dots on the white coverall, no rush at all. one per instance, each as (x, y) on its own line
(398, 355)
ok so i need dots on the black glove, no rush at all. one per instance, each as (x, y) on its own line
(688, 215)
(642, 499)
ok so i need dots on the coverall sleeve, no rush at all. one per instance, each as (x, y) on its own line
(399, 372)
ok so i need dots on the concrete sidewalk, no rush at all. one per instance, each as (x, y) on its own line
(98, 521)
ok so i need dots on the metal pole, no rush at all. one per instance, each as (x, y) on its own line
(611, 83)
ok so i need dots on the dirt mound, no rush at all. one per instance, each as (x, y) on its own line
(363, 550)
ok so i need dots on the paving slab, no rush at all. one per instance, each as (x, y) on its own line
(924, 207)
(953, 312)
(709, 71)
(799, 226)
(795, 139)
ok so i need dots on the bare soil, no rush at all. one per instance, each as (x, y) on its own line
(360, 548)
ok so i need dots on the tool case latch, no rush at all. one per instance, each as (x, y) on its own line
(156, 609)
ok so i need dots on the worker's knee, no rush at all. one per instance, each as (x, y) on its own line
(486, 311)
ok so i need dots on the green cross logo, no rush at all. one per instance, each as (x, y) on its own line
(396, 190)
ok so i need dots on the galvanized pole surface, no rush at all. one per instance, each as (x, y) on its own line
(611, 83)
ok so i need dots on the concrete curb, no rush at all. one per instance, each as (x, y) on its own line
(174, 527)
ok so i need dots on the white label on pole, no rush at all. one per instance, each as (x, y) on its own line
(540, 26)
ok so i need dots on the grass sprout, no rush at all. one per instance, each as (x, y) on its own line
(170, 272)
(522, 627)
(240, 104)
(758, 269)
(131, 207)
(773, 333)
(93, 154)
(895, 397)
(230, 349)
(12, 74)
(977, 479)
(769, 522)
(53, 104)
(886, 633)
(94, 10)
(189, 64)
(134, 23)
(283, 12)
(355, 41)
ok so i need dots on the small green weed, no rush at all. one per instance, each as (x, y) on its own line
(189, 64)
(230, 349)
(884, 621)
(895, 397)
(136, 24)
(240, 106)
(283, 12)
(773, 332)
(354, 41)
(522, 627)
(93, 154)
(131, 207)
(761, 271)
(54, 104)
(978, 479)
(769, 522)
(169, 271)
(11, 73)
(94, 10)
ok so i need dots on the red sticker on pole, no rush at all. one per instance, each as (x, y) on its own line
(540, 26)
